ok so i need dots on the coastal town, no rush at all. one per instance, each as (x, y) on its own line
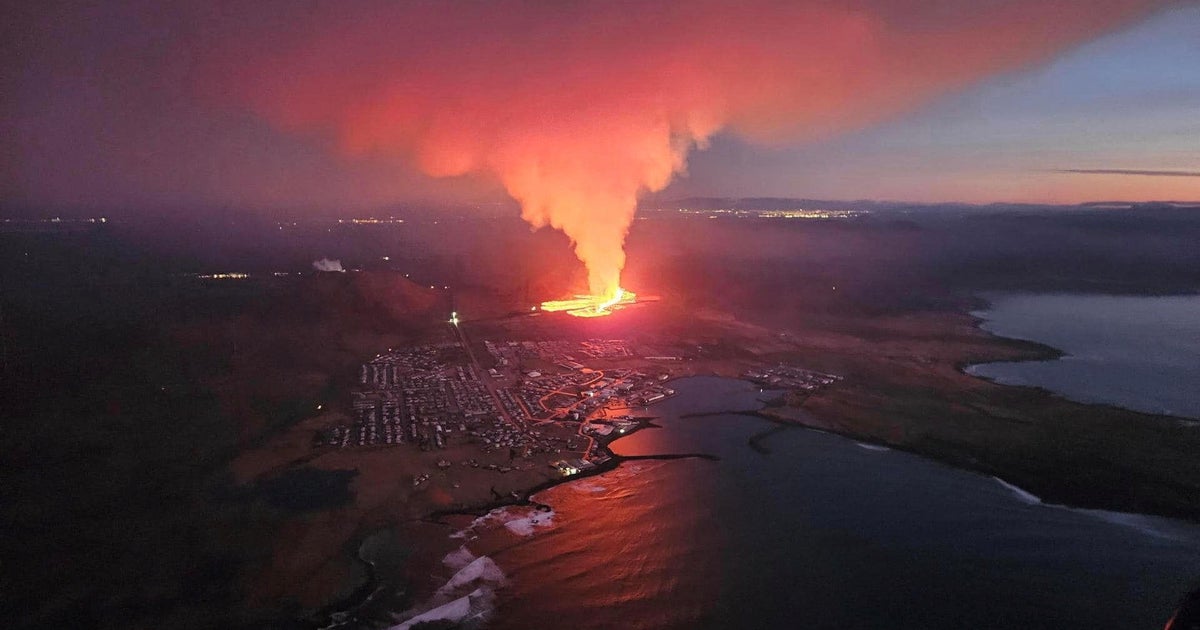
(507, 405)
(538, 399)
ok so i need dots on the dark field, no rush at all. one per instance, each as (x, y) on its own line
(133, 391)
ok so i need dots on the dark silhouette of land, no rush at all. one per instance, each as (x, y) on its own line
(155, 420)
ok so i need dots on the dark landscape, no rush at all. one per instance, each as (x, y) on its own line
(637, 314)
(153, 410)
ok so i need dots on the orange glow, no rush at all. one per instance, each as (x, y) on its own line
(578, 108)
(591, 305)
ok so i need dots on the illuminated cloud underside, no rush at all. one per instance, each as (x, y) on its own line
(578, 108)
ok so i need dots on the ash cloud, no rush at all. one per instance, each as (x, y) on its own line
(578, 108)
(574, 108)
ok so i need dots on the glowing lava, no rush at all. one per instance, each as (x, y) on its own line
(591, 305)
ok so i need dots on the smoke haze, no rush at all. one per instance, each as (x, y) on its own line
(573, 108)
(577, 108)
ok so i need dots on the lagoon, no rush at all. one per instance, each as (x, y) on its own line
(1137, 352)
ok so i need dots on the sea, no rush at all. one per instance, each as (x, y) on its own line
(808, 530)
(1137, 352)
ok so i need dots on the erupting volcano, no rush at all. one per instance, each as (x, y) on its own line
(576, 109)
(591, 305)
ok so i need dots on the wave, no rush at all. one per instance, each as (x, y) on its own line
(1023, 495)
(522, 521)
(872, 447)
(1149, 525)
(469, 595)
(527, 525)
(587, 487)
(470, 528)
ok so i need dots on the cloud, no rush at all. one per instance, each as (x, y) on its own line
(574, 108)
(1126, 171)
(577, 108)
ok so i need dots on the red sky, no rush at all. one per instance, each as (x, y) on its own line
(354, 104)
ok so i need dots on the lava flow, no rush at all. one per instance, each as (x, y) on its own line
(591, 305)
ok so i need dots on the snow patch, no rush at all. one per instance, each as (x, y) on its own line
(481, 570)
(458, 558)
(328, 264)
(470, 529)
(476, 605)
(470, 595)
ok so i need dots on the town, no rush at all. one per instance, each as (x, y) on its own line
(526, 402)
(537, 399)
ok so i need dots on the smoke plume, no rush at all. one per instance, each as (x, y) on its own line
(579, 107)
(328, 264)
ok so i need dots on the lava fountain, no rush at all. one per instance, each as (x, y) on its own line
(576, 109)
(592, 305)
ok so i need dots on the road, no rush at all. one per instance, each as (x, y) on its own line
(487, 384)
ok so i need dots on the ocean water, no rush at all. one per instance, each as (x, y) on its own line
(1141, 353)
(818, 533)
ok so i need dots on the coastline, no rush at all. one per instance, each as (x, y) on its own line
(336, 614)
(1058, 500)
(784, 421)
(525, 497)
(850, 410)
(770, 413)
(1051, 487)
(1057, 354)
(1148, 525)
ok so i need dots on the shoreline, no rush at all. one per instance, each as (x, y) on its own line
(1049, 490)
(781, 423)
(1054, 497)
(1053, 353)
(362, 595)
(525, 498)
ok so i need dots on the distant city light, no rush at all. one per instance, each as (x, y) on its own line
(371, 221)
(791, 213)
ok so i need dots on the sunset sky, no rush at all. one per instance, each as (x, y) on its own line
(1129, 101)
(353, 106)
